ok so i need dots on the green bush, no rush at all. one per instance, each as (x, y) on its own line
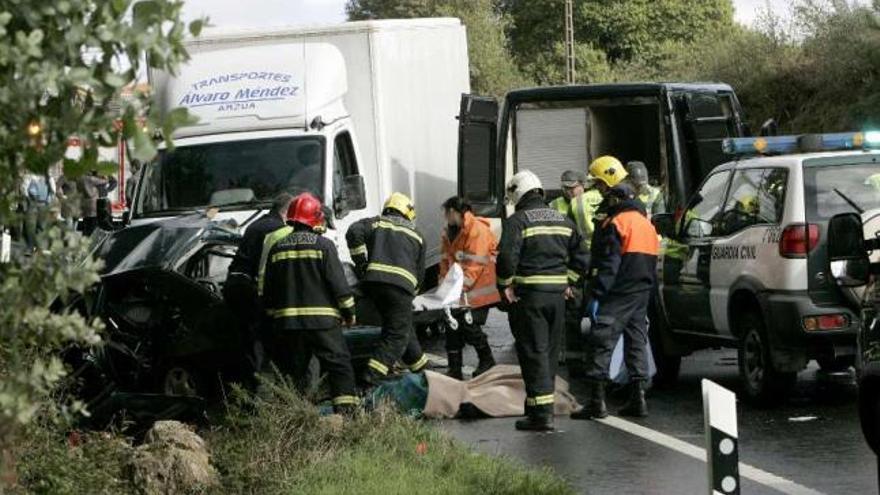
(59, 79)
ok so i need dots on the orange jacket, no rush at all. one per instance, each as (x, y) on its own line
(474, 248)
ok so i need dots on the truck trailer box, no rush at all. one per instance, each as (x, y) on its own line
(350, 110)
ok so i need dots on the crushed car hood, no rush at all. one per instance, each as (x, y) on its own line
(162, 245)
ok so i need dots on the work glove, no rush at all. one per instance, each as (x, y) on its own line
(593, 310)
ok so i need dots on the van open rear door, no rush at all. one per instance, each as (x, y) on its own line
(708, 118)
(479, 177)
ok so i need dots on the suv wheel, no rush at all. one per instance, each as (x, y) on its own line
(761, 382)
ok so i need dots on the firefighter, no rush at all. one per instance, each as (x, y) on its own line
(650, 196)
(622, 275)
(389, 256)
(468, 240)
(305, 292)
(540, 256)
(240, 288)
(579, 205)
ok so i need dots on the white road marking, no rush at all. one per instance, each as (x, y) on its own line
(745, 470)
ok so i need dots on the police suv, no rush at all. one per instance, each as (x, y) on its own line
(744, 265)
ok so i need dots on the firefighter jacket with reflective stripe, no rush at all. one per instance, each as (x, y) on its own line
(624, 251)
(302, 281)
(388, 249)
(580, 210)
(540, 249)
(247, 258)
(474, 248)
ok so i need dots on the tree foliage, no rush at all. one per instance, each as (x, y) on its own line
(819, 73)
(619, 29)
(60, 77)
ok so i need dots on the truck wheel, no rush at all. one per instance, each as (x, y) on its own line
(836, 365)
(761, 383)
(869, 411)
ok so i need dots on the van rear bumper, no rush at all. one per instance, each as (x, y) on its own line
(792, 346)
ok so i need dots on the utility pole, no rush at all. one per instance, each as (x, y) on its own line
(569, 42)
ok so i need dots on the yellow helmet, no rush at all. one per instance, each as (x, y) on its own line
(401, 203)
(749, 204)
(609, 170)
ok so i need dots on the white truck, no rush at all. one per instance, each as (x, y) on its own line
(350, 112)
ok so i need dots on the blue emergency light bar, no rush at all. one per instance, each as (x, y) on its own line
(803, 143)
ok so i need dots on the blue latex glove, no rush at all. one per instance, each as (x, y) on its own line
(593, 310)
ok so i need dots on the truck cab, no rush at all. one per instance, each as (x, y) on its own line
(676, 129)
(262, 129)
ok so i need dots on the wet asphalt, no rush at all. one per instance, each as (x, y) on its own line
(811, 439)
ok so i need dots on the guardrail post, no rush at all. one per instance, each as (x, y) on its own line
(722, 443)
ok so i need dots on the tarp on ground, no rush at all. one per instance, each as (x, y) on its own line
(499, 392)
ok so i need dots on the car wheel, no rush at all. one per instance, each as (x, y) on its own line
(869, 411)
(760, 381)
(836, 365)
(182, 380)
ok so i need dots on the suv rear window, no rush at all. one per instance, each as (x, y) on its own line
(859, 182)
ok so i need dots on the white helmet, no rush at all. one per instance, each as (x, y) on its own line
(520, 184)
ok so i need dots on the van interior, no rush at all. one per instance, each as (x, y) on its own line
(552, 137)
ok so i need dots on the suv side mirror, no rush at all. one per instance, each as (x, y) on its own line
(352, 197)
(664, 223)
(848, 258)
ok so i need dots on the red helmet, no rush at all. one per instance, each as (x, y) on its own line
(306, 209)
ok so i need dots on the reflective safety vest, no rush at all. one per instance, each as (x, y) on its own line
(652, 198)
(474, 248)
(302, 282)
(581, 210)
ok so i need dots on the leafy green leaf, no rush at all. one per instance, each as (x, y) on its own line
(195, 27)
(144, 148)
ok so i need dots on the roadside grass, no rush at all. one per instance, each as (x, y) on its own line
(275, 442)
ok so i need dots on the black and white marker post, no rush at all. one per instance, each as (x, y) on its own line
(722, 444)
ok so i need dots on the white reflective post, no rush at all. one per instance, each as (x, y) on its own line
(722, 444)
(5, 247)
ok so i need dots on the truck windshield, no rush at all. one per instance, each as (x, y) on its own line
(858, 182)
(237, 174)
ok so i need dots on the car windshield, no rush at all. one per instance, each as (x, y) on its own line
(860, 183)
(232, 174)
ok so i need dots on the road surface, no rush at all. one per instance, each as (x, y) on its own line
(809, 444)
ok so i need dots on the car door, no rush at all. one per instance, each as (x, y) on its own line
(685, 281)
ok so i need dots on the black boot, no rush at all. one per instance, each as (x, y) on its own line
(595, 407)
(455, 362)
(636, 406)
(539, 418)
(487, 361)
